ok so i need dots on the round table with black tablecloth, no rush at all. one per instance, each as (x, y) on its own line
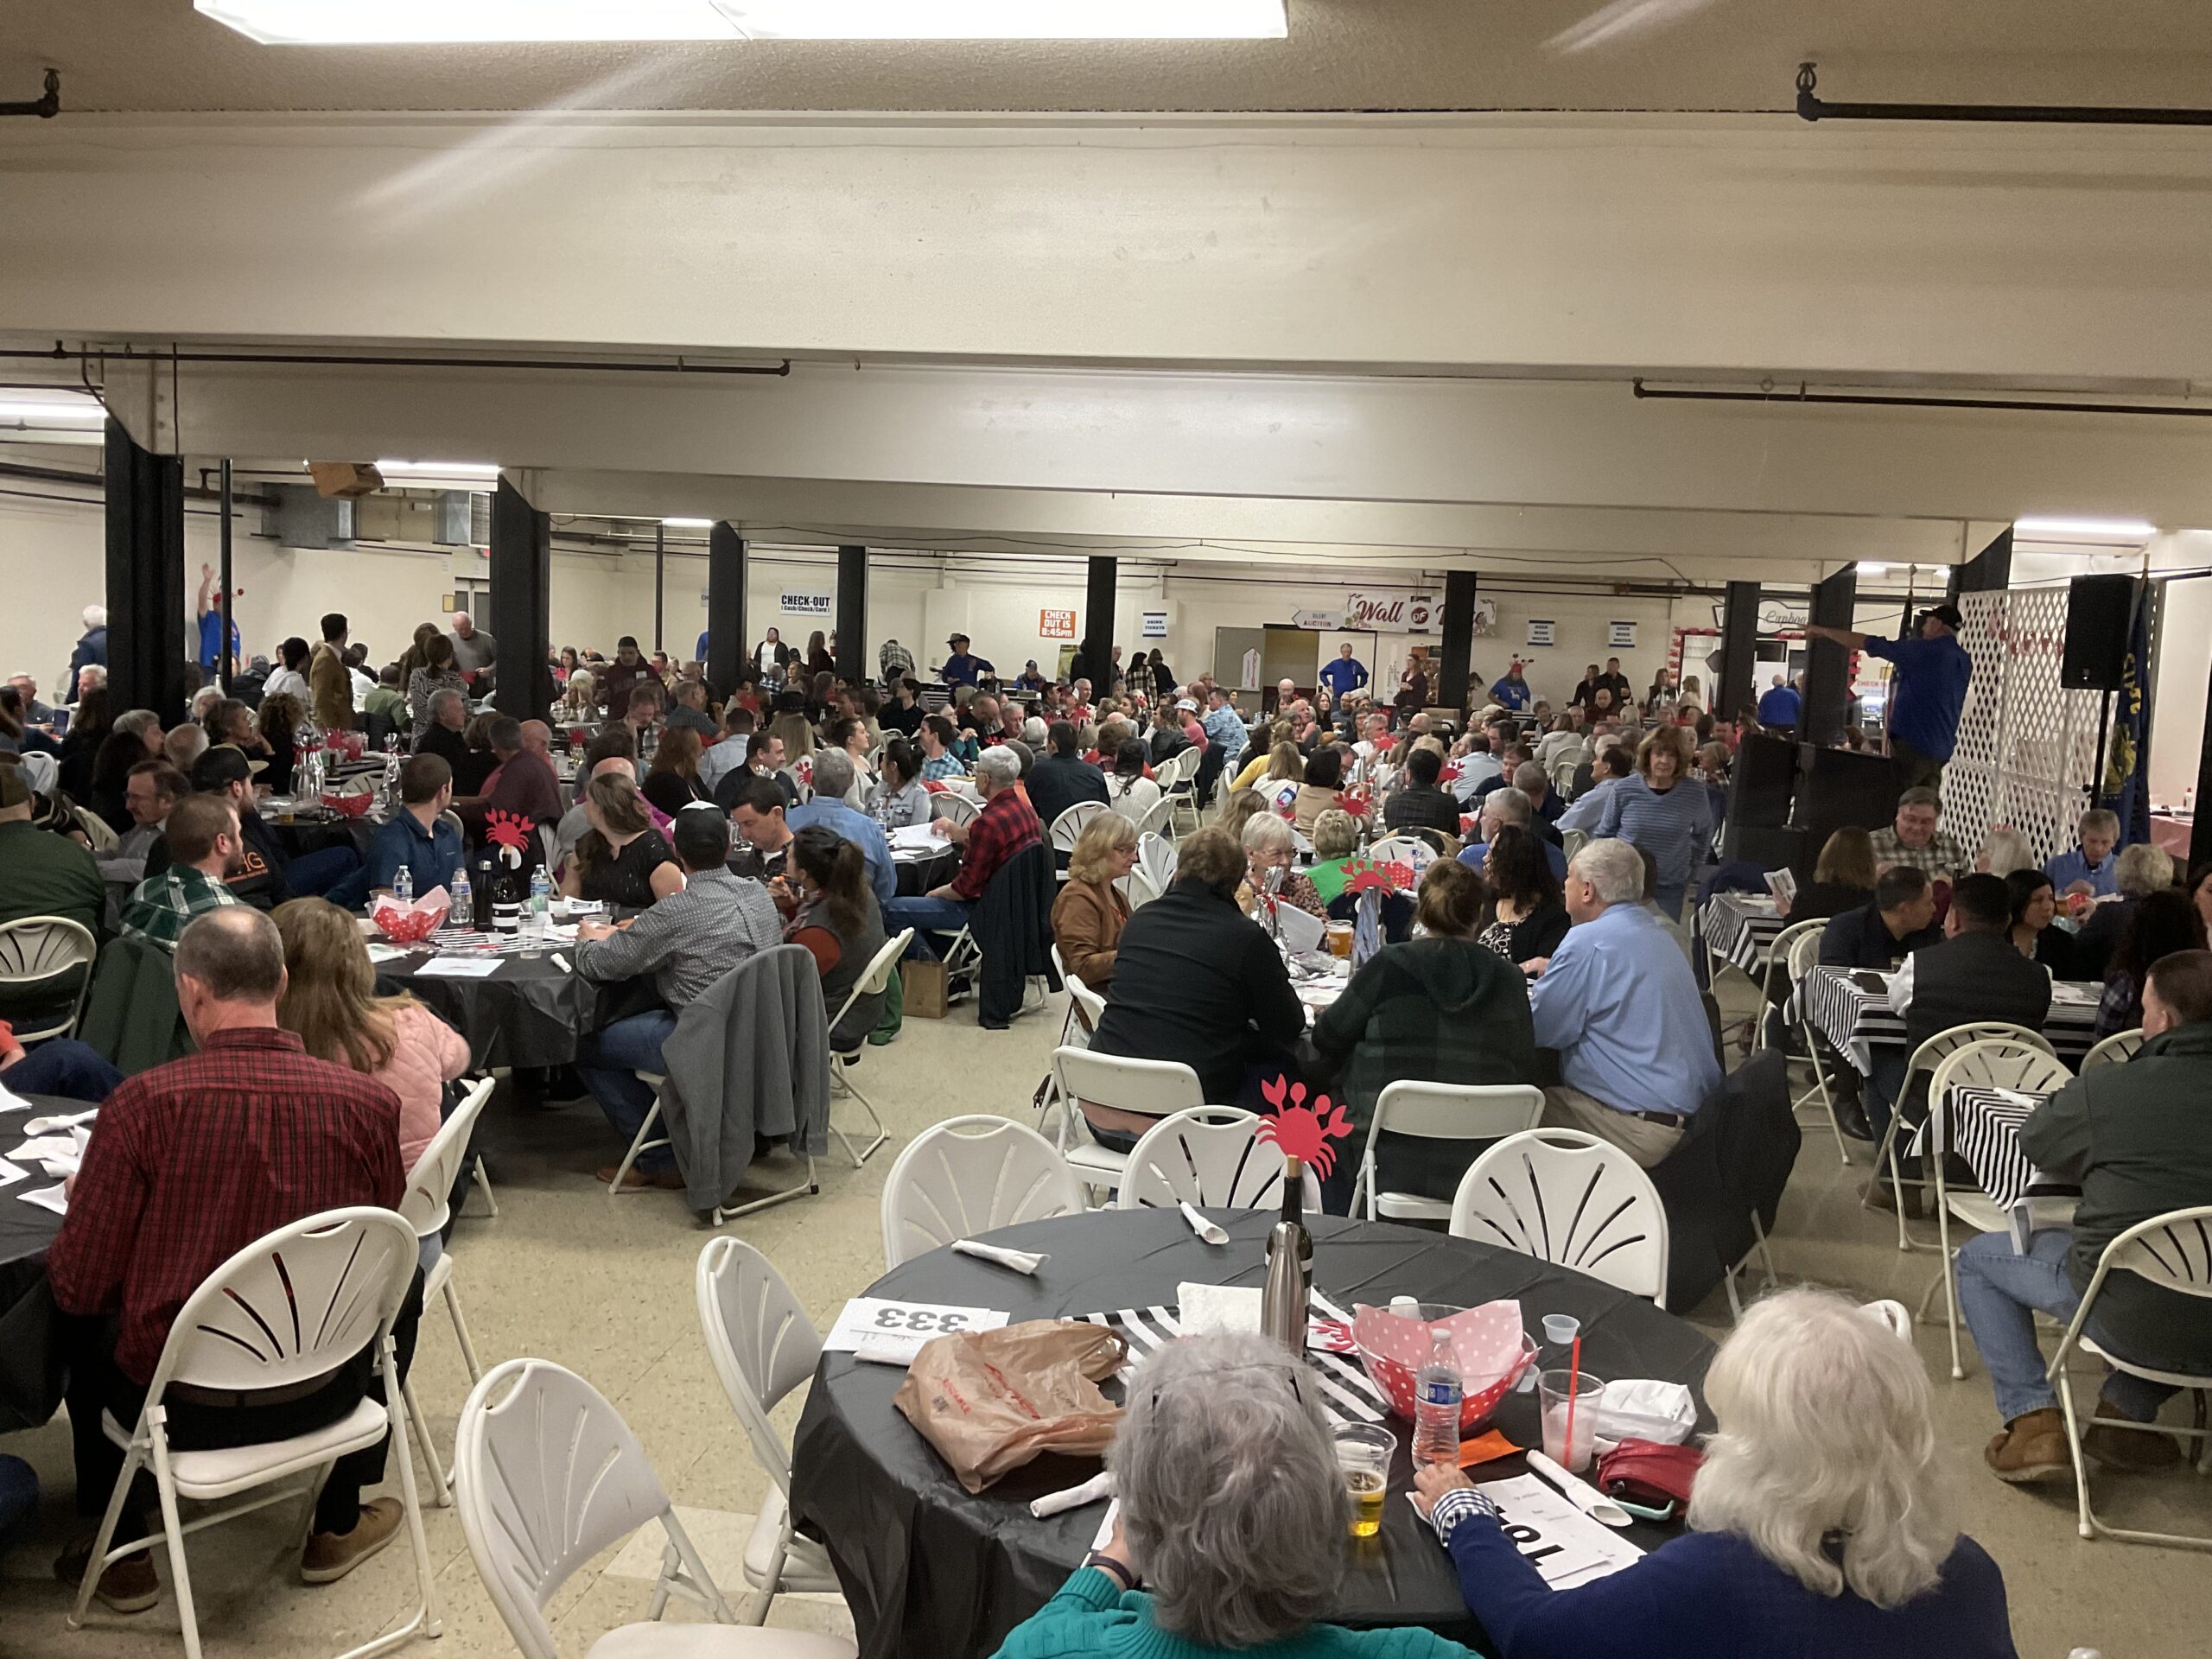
(919, 876)
(928, 1569)
(532, 1011)
(30, 1358)
(311, 833)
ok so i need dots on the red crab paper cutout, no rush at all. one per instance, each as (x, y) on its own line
(1355, 804)
(1303, 1132)
(1365, 877)
(509, 830)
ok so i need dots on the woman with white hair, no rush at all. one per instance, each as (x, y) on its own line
(1271, 859)
(1234, 1518)
(1819, 1525)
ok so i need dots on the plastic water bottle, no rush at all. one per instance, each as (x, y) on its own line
(535, 912)
(1436, 1405)
(459, 912)
(403, 886)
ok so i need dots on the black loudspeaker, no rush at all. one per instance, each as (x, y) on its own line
(2100, 622)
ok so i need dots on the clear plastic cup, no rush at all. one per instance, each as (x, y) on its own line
(1364, 1454)
(1552, 1404)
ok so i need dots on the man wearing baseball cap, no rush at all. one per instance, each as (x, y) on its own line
(1928, 690)
(961, 668)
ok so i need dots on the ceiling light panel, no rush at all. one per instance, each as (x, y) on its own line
(2097, 530)
(1008, 20)
(391, 22)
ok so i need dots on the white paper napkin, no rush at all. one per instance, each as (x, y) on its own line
(48, 1198)
(1099, 1485)
(1020, 1260)
(59, 1123)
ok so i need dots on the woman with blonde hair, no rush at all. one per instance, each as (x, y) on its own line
(1267, 757)
(1843, 880)
(1660, 809)
(798, 736)
(330, 1003)
(1240, 809)
(1819, 1524)
(1336, 846)
(1091, 912)
(579, 703)
(2006, 851)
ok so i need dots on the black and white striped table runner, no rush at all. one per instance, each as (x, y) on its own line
(1347, 1393)
(1741, 929)
(1856, 1020)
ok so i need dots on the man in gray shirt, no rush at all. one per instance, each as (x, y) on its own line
(474, 650)
(687, 942)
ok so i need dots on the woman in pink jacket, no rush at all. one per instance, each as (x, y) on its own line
(330, 1003)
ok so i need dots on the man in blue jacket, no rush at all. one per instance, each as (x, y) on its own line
(1928, 690)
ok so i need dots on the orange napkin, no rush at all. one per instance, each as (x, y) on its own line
(1487, 1449)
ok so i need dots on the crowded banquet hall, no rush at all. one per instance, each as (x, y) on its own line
(834, 829)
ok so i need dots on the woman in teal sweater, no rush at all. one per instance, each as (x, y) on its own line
(1232, 1513)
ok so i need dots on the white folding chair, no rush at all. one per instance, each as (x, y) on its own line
(426, 1205)
(1156, 857)
(763, 1346)
(2174, 1251)
(1562, 776)
(1804, 954)
(1439, 1111)
(2036, 1070)
(1571, 1200)
(1571, 842)
(1136, 886)
(291, 1308)
(2119, 1048)
(1069, 825)
(548, 1475)
(871, 983)
(1177, 780)
(1997, 1073)
(1154, 1088)
(954, 809)
(1155, 823)
(37, 954)
(1403, 850)
(967, 1175)
(1207, 1155)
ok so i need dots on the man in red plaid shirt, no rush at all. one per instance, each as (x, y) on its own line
(188, 1164)
(1007, 824)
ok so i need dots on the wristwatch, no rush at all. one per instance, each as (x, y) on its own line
(1112, 1568)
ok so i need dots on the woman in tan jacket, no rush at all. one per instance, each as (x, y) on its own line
(1089, 915)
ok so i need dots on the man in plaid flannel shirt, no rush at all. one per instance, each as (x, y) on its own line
(1913, 840)
(1007, 824)
(204, 847)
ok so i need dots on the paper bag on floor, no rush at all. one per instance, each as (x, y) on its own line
(990, 1401)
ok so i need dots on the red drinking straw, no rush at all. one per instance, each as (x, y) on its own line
(1573, 1375)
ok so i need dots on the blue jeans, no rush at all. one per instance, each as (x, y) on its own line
(1884, 1085)
(609, 1062)
(925, 916)
(65, 1067)
(2000, 1292)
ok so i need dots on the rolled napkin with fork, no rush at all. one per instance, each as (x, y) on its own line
(1099, 1485)
(1020, 1260)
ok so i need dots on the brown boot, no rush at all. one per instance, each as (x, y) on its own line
(128, 1587)
(2128, 1450)
(330, 1556)
(1879, 1195)
(2031, 1448)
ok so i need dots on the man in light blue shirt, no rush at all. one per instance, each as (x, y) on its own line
(1613, 763)
(833, 777)
(2092, 862)
(1224, 727)
(1618, 1002)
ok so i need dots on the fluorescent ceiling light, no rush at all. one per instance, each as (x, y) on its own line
(1942, 573)
(383, 22)
(1870, 568)
(389, 23)
(2121, 529)
(75, 411)
(487, 471)
(689, 523)
(1008, 20)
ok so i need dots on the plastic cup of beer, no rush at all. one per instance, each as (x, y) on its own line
(1364, 1454)
(1553, 1403)
(1340, 939)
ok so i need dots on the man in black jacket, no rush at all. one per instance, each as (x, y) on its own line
(1899, 919)
(1975, 973)
(2139, 1138)
(1062, 777)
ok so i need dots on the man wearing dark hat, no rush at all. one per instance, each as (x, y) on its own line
(264, 876)
(1928, 690)
(961, 668)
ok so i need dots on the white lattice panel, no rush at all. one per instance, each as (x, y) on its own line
(2027, 745)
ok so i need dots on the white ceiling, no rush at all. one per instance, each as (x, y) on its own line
(1342, 55)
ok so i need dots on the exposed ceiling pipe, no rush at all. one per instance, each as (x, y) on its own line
(61, 353)
(44, 108)
(1812, 107)
(1803, 394)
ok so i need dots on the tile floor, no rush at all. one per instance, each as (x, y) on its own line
(605, 1288)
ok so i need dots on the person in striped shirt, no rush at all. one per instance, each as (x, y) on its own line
(1660, 809)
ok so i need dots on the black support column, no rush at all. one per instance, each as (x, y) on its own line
(852, 614)
(1828, 669)
(1447, 687)
(1989, 571)
(522, 589)
(146, 595)
(1739, 646)
(727, 640)
(1098, 621)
